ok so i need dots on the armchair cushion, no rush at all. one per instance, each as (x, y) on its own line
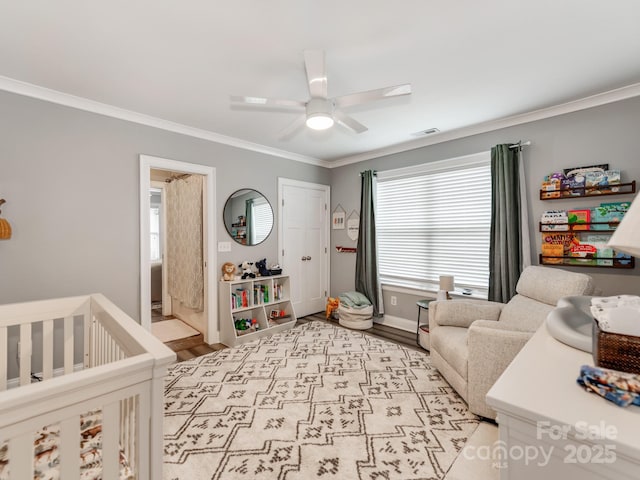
(548, 285)
(524, 314)
(461, 313)
(492, 346)
(452, 345)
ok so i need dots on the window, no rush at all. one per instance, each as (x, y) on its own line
(154, 228)
(434, 219)
(262, 220)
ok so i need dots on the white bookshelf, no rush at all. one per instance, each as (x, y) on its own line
(257, 300)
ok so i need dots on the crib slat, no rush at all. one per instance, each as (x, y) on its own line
(25, 354)
(47, 349)
(3, 358)
(86, 331)
(110, 444)
(21, 457)
(149, 458)
(70, 448)
(68, 345)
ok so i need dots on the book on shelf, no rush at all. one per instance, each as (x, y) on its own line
(608, 215)
(277, 291)
(260, 294)
(552, 250)
(554, 220)
(239, 298)
(604, 254)
(574, 179)
(579, 219)
(565, 239)
(582, 253)
(551, 187)
(602, 181)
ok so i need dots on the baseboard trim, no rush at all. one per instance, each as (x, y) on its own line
(397, 322)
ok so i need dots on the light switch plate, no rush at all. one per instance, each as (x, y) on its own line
(224, 246)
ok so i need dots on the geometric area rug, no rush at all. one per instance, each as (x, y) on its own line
(314, 402)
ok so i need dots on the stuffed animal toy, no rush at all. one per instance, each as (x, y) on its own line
(228, 271)
(332, 306)
(261, 265)
(246, 270)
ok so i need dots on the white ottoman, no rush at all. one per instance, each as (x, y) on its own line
(356, 318)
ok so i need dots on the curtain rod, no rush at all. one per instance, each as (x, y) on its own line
(177, 177)
(520, 144)
(375, 173)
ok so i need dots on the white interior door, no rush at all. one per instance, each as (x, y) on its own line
(304, 242)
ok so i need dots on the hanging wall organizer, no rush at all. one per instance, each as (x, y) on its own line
(5, 227)
(338, 218)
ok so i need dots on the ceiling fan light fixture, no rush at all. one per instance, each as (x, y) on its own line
(319, 114)
(319, 121)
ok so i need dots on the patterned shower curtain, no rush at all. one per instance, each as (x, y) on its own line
(184, 241)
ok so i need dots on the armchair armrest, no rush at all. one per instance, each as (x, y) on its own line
(462, 313)
(492, 347)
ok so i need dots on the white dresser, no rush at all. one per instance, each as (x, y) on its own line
(551, 428)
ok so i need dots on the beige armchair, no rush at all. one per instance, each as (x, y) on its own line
(472, 342)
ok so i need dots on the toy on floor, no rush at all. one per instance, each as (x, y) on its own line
(332, 306)
(261, 265)
(246, 270)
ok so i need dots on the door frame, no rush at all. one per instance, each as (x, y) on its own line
(288, 182)
(148, 162)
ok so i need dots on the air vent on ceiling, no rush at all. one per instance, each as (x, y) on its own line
(422, 133)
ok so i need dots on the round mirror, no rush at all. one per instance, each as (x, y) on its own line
(248, 217)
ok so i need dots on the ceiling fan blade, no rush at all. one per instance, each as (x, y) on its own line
(265, 102)
(316, 73)
(372, 95)
(292, 129)
(349, 122)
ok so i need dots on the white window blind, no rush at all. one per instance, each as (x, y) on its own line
(434, 220)
(262, 220)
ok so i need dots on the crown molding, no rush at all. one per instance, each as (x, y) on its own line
(48, 95)
(597, 100)
(41, 93)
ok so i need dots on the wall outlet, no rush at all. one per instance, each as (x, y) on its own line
(394, 300)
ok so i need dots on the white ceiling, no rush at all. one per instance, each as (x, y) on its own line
(469, 61)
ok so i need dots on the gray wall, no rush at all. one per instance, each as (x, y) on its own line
(71, 182)
(606, 134)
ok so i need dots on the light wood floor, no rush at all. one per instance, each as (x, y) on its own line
(194, 346)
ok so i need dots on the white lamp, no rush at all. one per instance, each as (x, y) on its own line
(626, 237)
(446, 285)
(319, 114)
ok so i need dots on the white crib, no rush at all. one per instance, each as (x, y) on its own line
(120, 376)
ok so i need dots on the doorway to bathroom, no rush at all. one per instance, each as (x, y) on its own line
(176, 249)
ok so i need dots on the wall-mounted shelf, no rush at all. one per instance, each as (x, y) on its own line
(584, 227)
(582, 192)
(569, 261)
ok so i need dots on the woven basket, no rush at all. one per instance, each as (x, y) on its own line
(616, 351)
(5, 229)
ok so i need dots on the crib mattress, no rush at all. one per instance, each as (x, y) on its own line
(47, 452)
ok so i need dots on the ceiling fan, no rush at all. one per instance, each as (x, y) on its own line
(322, 112)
